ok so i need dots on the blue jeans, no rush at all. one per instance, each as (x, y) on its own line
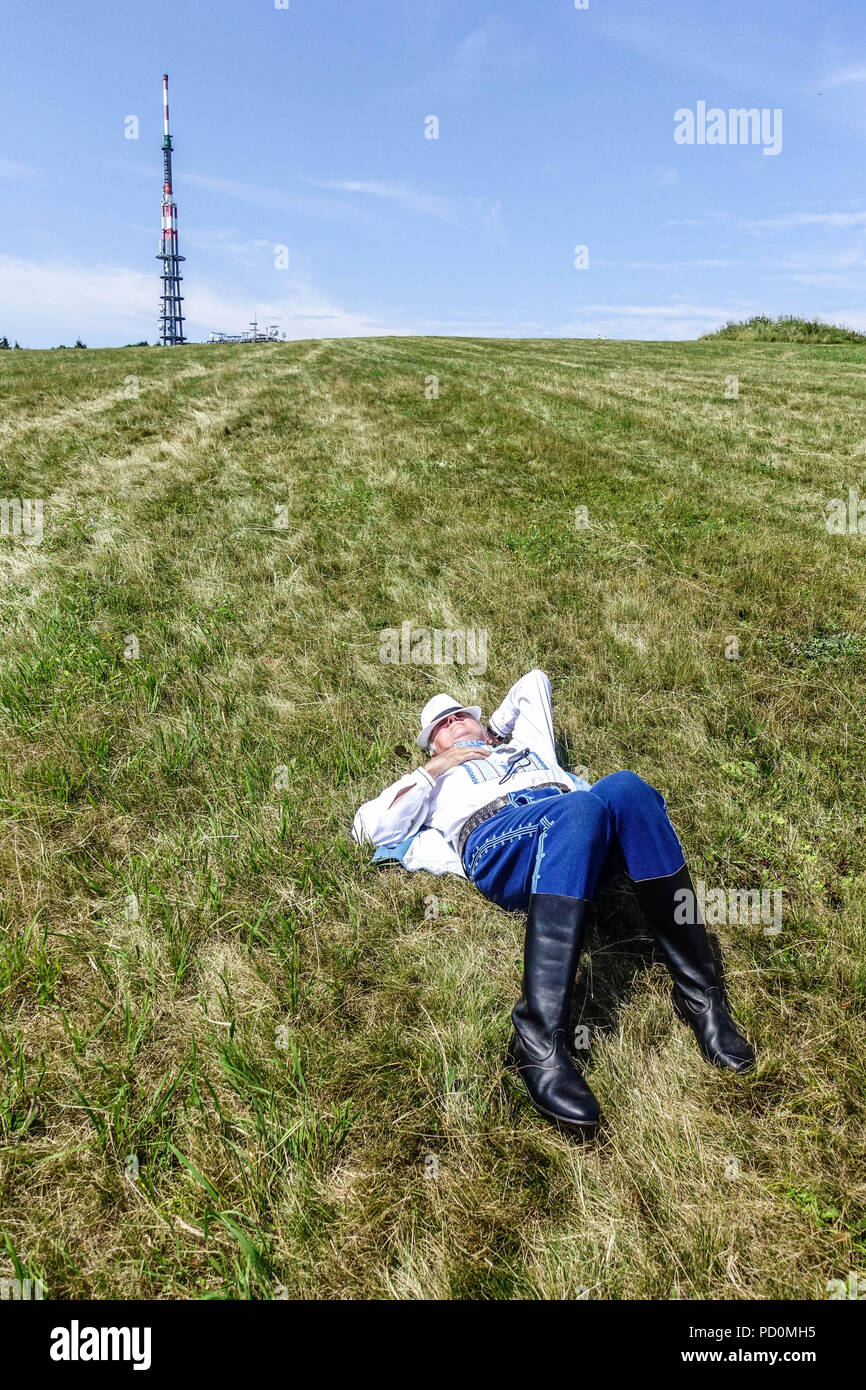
(572, 843)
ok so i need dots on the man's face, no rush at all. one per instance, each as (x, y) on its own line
(452, 729)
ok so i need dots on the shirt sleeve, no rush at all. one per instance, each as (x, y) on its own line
(526, 715)
(382, 823)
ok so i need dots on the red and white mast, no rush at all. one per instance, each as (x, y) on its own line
(171, 314)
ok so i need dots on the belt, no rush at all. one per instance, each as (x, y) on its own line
(493, 808)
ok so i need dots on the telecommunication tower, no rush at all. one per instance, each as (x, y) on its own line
(170, 313)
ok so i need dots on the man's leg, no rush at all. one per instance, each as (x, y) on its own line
(541, 844)
(646, 847)
(545, 854)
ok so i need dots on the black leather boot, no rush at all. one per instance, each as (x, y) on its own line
(698, 995)
(539, 1044)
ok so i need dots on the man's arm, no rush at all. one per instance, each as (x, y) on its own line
(397, 813)
(385, 823)
(526, 715)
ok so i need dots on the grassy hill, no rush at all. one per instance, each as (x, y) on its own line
(204, 981)
(785, 328)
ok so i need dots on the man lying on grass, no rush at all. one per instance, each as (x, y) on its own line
(530, 839)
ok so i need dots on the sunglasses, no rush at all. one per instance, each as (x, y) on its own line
(449, 718)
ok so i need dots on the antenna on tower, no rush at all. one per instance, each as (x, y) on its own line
(170, 314)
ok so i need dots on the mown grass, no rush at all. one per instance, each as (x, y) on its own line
(238, 1061)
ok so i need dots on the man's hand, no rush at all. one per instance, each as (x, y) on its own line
(441, 763)
(452, 758)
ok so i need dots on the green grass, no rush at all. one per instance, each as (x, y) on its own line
(785, 328)
(204, 981)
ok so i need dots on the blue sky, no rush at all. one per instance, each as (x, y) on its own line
(305, 127)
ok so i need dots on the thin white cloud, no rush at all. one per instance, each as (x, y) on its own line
(11, 169)
(846, 318)
(826, 278)
(646, 325)
(43, 302)
(663, 178)
(234, 188)
(488, 214)
(677, 38)
(401, 193)
(844, 77)
(226, 241)
(806, 260)
(259, 194)
(493, 49)
(806, 219)
(703, 221)
(660, 311)
(676, 265)
(475, 48)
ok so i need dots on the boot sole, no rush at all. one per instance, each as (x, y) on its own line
(711, 1060)
(585, 1129)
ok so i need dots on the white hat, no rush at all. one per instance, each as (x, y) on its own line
(436, 709)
